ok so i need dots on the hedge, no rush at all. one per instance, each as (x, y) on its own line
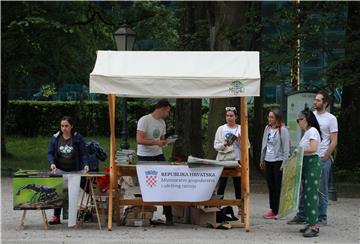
(32, 118)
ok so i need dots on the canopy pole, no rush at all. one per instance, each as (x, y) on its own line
(111, 102)
(245, 159)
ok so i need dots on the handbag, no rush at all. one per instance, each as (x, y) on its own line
(226, 156)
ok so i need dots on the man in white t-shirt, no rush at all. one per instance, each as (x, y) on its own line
(150, 138)
(329, 133)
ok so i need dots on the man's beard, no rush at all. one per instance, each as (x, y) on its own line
(318, 108)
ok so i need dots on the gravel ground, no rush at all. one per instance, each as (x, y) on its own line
(343, 227)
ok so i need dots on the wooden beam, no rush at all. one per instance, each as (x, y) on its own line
(113, 171)
(212, 202)
(245, 160)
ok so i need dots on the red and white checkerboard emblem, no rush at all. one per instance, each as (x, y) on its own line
(151, 180)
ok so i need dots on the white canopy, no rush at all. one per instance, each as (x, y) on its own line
(176, 74)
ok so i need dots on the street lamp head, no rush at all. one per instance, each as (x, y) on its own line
(124, 38)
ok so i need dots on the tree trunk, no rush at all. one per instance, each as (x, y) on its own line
(348, 154)
(188, 111)
(4, 105)
(225, 18)
(258, 119)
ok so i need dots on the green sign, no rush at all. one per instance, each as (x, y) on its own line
(291, 181)
(295, 104)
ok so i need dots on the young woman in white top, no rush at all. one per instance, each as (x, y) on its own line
(310, 142)
(224, 143)
(275, 151)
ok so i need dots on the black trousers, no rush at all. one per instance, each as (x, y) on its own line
(166, 209)
(273, 179)
(237, 186)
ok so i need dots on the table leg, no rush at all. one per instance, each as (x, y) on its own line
(95, 204)
(22, 221)
(44, 219)
(81, 203)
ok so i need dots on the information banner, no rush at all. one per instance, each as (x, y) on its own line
(295, 104)
(163, 183)
(291, 182)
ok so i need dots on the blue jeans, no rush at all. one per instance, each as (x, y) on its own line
(323, 192)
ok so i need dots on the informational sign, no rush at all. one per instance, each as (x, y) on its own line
(295, 104)
(164, 183)
(291, 181)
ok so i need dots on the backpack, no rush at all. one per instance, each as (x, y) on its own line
(96, 154)
(94, 148)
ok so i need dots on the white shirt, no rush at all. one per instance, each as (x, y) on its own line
(235, 131)
(328, 124)
(310, 134)
(154, 129)
(270, 149)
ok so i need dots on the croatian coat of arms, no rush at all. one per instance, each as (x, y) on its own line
(151, 178)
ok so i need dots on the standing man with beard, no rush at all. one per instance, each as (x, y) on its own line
(329, 131)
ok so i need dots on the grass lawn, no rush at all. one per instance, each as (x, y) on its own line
(31, 152)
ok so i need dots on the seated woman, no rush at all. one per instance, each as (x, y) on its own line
(67, 153)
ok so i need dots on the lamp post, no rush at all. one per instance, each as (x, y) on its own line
(124, 39)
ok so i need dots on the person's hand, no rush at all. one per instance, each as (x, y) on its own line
(295, 151)
(86, 168)
(161, 143)
(262, 165)
(325, 157)
(281, 167)
(53, 168)
(238, 139)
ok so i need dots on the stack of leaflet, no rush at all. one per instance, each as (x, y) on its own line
(125, 156)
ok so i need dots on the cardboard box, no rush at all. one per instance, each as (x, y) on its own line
(181, 214)
(140, 215)
(203, 216)
(137, 222)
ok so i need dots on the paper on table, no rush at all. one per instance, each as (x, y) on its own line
(201, 161)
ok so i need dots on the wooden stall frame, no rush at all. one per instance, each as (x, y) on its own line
(244, 172)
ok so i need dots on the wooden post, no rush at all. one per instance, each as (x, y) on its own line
(111, 101)
(245, 159)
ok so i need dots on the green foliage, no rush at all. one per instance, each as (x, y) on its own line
(53, 42)
(56, 42)
(316, 19)
(154, 21)
(33, 118)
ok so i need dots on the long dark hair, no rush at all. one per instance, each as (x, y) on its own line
(71, 121)
(311, 119)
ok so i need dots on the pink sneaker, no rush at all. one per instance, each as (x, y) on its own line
(276, 217)
(268, 215)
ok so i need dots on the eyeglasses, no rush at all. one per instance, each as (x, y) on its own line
(230, 109)
(297, 120)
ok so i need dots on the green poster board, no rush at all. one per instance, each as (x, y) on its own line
(291, 181)
(297, 102)
(37, 190)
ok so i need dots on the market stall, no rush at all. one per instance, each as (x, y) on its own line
(178, 75)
